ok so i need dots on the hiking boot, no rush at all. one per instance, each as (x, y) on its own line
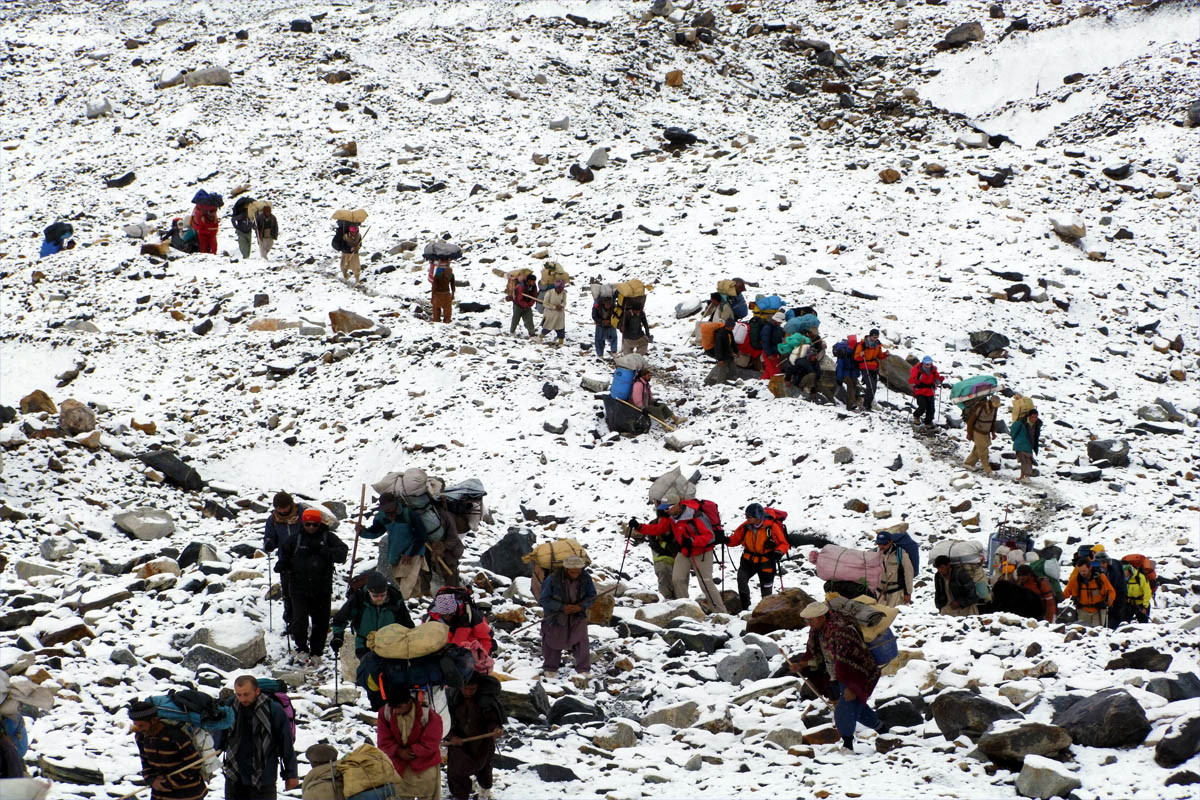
(848, 743)
(550, 674)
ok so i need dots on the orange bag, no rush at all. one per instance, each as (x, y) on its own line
(707, 331)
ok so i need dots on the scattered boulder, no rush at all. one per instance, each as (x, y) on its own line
(196, 552)
(202, 655)
(69, 773)
(525, 701)
(26, 570)
(986, 343)
(1183, 687)
(1044, 778)
(56, 548)
(72, 631)
(843, 455)
(599, 158)
(343, 321)
(560, 124)
(37, 401)
(749, 664)
(615, 735)
(103, 597)
(504, 557)
(302, 26)
(964, 34)
(1148, 658)
(894, 372)
(581, 173)
(1068, 226)
(1180, 742)
(687, 309)
(682, 715)
(1112, 718)
(573, 710)
(1114, 451)
(779, 612)
(1010, 744)
(145, 523)
(900, 712)
(957, 712)
(209, 76)
(661, 613)
(98, 108)
(173, 469)
(440, 98)
(553, 773)
(163, 565)
(76, 418)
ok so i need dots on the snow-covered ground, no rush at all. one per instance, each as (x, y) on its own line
(784, 188)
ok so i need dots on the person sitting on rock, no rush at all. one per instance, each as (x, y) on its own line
(566, 596)
(170, 763)
(475, 713)
(311, 558)
(641, 397)
(838, 663)
(954, 592)
(182, 236)
(763, 546)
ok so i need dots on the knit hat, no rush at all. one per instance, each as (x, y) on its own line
(873, 332)
(927, 360)
(779, 317)
(882, 538)
(445, 604)
(142, 709)
(311, 515)
(813, 610)
(574, 562)
(755, 511)
(377, 583)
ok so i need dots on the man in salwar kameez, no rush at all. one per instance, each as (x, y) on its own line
(566, 596)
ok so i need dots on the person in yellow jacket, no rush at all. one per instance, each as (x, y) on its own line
(1093, 594)
(1137, 594)
(763, 545)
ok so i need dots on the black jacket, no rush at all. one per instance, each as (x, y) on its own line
(961, 589)
(724, 348)
(310, 558)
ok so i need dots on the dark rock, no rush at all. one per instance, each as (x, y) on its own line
(1164, 430)
(1184, 687)
(1074, 77)
(1018, 293)
(816, 45)
(825, 58)
(175, 471)
(581, 173)
(633, 629)
(1181, 742)
(504, 557)
(1186, 777)
(557, 428)
(679, 137)
(120, 182)
(191, 554)
(549, 391)
(796, 87)
(526, 706)
(242, 35)
(900, 713)
(573, 706)
(81, 776)
(987, 342)
(957, 712)
(1114, 451)
(695, 639)
(201, 654)
(1111, 718)
(1118, 172)
(779, 612)
(302, 26)
(1011, 745)
(553, 773)
(1193, 115)
(1147, 658)
(996, 11)
(203, 328)
(894, 372)
(965, 33)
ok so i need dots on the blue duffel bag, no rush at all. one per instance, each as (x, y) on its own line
(884, 647)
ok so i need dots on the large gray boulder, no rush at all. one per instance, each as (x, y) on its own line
(1114, 451)
(1012, 743)
(1181, 741)
(525, 701)
(957, 712)
(145, 523)
(894, 372)
(1043, 778)
(681, 715)
(202, 655)
(1111, 718)
(749, 664)
(236, 636)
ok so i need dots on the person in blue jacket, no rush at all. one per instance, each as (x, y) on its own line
(405, 549)
(738, 301)
(847, 369)
(57, 239)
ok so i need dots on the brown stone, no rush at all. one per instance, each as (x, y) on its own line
(148, 428)
(91, 441)
(37, 401)
(835, 87)
(889, 175)
(72, 634)
(601, 610)
(779, 612)
(825, 735)
(265, 324)
(513, 615)
(76, 418)
(343, 321)
(675, 77)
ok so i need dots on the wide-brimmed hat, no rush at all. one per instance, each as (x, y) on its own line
(814, 610)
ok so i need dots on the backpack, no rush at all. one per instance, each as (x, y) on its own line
(755, 332)
(626, 302)
(366, 768)
(712, 514)
(777, 516)
(402, 642)
(1021, 406)
(242, 224)
(14, 728)
(1145, 566)
(1039, 571)
(198, 715)
(842, 350)
(277, 691)
(768, 303)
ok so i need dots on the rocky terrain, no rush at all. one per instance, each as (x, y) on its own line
(922, 168)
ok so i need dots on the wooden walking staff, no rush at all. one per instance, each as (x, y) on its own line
(492, 735)
(666, 425)
(362, 509)
(185, 768)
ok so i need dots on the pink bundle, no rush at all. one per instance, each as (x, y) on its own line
(836, 563)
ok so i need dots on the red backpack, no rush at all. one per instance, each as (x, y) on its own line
(700, 528)
(1146, 567)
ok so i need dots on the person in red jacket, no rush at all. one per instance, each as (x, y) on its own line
(692, 531)
(204, 223)
(924, 380)
(524, 296)
(763, 545)
(469, 628)
(870, 354)
(411, 737)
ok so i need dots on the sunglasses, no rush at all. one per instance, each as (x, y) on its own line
(312, 524)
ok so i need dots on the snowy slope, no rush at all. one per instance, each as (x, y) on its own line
(785, 188)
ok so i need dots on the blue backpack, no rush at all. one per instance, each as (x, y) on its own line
(15, 728)
(194, 708)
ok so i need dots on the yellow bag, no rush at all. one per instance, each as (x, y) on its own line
(552, 554)
(727, 288)
(552, 272)
(367, 767)
(397, 641)
(319, 785)
(633, 288)
(870, 632)
(1021, 405)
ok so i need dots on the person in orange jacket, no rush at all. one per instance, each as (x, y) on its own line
(1093, 594)
(763, 546)
(924, 380)
(870, 354)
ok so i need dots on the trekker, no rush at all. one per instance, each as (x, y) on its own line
(838, 663)
(981, 430)
(1039, 586)
(443, 288)
(554, 311)
(411, 737)
(310, 557)
(869, 354)
(924, 380)
(1025, 433)
(635, 330)
(182, 237)
(475, 711)
(724, 349)
(205, 224)
(663, 551)
(954, 591)
(770, 337)
(686, 524)
(1116, 579)
(763, 546)
(281, 526)
(718, 309)
(643, 398)
(243, 226)
(266, 228)
(896, 581)
(525, 294)
(260, 739)
(1138, 594)
(602, 311)
(566, 596)
(56, 238)
(846, 370)
(738, 302)
(347, 240)
(1092, 593)
(404, 551)
(366, 610)
(167, 752)
(469, 628)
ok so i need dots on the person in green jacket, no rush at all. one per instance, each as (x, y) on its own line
(368, 609)
(1025, 434)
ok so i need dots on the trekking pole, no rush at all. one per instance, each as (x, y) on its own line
(270, 597)
(337, 675)
(620, 569)
(194, 765)
(362, 507)
(700, 578)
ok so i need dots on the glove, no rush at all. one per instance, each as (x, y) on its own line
(634, 525)
(335, 644)
(360, 652)
(719, 537)
(686, 543)
(770, 546)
